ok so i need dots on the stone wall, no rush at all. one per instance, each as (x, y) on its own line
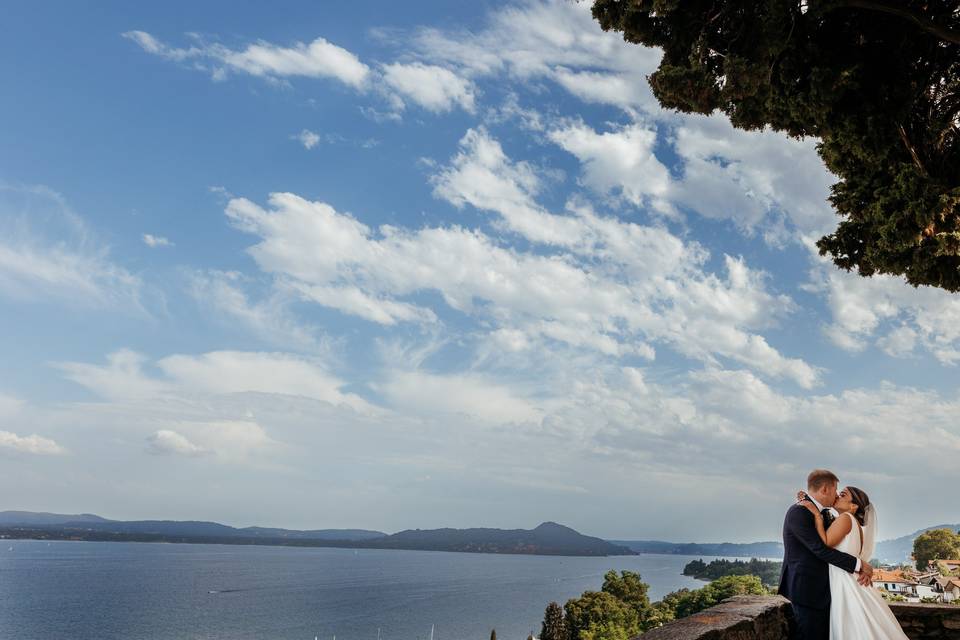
(928, 621)
(768, 618)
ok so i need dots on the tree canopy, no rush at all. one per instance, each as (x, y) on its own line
(554, 626)
(876, 81)
(936, 544)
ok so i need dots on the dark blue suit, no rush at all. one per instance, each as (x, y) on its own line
(805, 580)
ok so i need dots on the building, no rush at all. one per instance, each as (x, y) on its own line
(896, 583)
(951, 565)
(949, 588)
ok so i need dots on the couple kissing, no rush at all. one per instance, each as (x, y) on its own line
(829, 536)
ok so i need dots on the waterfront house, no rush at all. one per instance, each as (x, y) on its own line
(896, 583)
(950, 588)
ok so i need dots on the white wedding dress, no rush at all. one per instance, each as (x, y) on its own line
(856, 612)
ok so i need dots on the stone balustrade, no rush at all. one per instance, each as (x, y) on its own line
(768, 618)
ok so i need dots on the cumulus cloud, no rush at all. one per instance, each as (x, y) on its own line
(432, 87)
(618, 161)
(554, 40)
(167, 442)
(883, 310)
(32, 444)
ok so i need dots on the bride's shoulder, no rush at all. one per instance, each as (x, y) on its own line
(846, 521)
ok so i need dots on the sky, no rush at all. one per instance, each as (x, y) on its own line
(413, 265)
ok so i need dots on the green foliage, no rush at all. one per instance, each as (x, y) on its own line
(598, 615)
(767, 570)
(880, 88)
(554, 626)
(622, 608)
(629, 588)
(936, 544)
(686, 603)
(892, 597)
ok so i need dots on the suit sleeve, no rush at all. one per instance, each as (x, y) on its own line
(802, 527)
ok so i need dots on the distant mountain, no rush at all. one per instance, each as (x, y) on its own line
(900, 549)
(888, 551)
(549, 538)
(314, 534)
(32, 517)
(180, 528)
(727, 549)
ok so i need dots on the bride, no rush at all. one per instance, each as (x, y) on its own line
(856, 612)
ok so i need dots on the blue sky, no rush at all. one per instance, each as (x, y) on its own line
(364, 265)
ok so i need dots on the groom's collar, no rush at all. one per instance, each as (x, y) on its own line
(820, 507)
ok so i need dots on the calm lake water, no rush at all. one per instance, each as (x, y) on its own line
(131, 591)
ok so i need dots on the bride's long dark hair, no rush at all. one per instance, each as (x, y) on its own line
(862, 500)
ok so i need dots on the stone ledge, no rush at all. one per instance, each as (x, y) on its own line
(768, 618)
(739, 618)
(928, 621)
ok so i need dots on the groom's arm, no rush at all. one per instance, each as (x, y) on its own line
(800, 524)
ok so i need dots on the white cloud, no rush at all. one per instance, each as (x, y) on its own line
(553, 40)
(126, 377)
(319, 59)
(621, 161)
(308, 139)
(353, 301)
(47, 252)
(32, 444)
(165, 442)
(121, 379)
(648, 284)
(898, 318)
(758, 179)
(222, 292)
(434, 88)
(153, 241)
(482, 176)
(233, 441)
(238, 372)
(421, 393)
(762, 181)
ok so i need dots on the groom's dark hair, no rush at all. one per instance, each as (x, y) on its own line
(819, 477)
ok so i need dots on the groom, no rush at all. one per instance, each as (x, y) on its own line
(805, 579)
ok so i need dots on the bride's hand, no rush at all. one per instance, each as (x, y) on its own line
(812, 508)
(801, 496)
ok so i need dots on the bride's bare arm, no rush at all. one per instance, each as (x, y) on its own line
(837, 531)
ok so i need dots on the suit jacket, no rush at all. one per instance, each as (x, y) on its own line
(805, 578)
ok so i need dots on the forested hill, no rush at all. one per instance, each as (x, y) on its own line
(547, 539)
(900, 549)
(893, 551)
(728, 549)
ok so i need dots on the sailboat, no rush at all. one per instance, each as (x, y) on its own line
(431, 631)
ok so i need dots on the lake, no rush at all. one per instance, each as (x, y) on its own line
(129, 591)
